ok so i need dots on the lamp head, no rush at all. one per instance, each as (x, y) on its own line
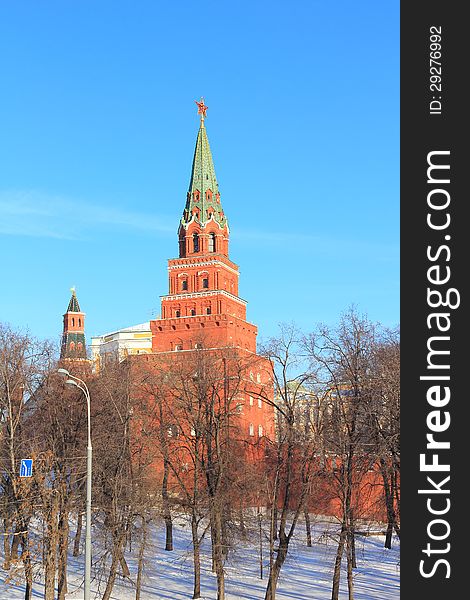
(63, 372)
(72, 382)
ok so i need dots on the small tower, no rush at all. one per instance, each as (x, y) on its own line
(73, 338)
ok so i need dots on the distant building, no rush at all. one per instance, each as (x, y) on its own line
(120, 344)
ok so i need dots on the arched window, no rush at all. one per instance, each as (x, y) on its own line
(79, 346)
(72, 346)
(212, 242)
(178, 313)
(195, 242)
(73, 322)
(205, 283)
(260, 430)
(184, 284)
(252, 429)
(193, 312)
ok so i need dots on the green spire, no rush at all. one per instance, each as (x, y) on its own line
(203, 173)
(203, 196)
(73, 304)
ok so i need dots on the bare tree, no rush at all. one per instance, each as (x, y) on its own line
(23, 364)
(385, 423)
(342, 356)
(292, 454)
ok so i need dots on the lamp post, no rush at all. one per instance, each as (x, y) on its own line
(81, 385)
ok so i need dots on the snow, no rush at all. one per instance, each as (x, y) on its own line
(306, 574)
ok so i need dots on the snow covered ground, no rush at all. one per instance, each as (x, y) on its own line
(306, 574)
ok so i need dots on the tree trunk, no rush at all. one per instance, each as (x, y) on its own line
(196, 558)
(28, 568)
(224, 537)
(166, 508)
(7, 522)
(337, 569)
(389, 503)
(111, 577)
(275, 519)
(308, 528)
(352, 540)
(217, 551)
(50, 549)
(15, 542)
(241, 518)
(140, 565)
(124, 566)
(62, 554)
(78, 535)
(276, 568)
(350, 563)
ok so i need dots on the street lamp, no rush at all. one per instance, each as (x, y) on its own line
(81, 385)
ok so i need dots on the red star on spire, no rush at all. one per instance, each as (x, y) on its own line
(201, 108)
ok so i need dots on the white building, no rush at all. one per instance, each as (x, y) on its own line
(116, 345)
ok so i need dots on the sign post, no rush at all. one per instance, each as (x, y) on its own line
(26, 468)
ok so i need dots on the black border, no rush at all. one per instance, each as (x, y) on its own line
(421, 133)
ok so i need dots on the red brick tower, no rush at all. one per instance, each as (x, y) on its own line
(73, 348)
(203, 281)
(203, 302)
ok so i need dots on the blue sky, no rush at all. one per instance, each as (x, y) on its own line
(98, 125)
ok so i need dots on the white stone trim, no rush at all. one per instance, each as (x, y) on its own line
(203, 264)
(189, 295)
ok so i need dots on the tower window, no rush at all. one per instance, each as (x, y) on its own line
(260, 403)
(73, 322)
(79, 322)
(178, 313)
(260, 430)
(252, 429)
(205, 283)
(212, 242)
(195, 242)
(251, 400)
(184, 284)
(208, 310)
(193, 312)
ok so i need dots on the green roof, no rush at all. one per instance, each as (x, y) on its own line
(73, 304)
(203, 179)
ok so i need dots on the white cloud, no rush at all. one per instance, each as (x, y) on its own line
(33, 213)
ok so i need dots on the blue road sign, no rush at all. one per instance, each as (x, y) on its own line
(26, 468)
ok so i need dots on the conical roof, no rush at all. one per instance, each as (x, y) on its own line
(203, 199)
(73, 304)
